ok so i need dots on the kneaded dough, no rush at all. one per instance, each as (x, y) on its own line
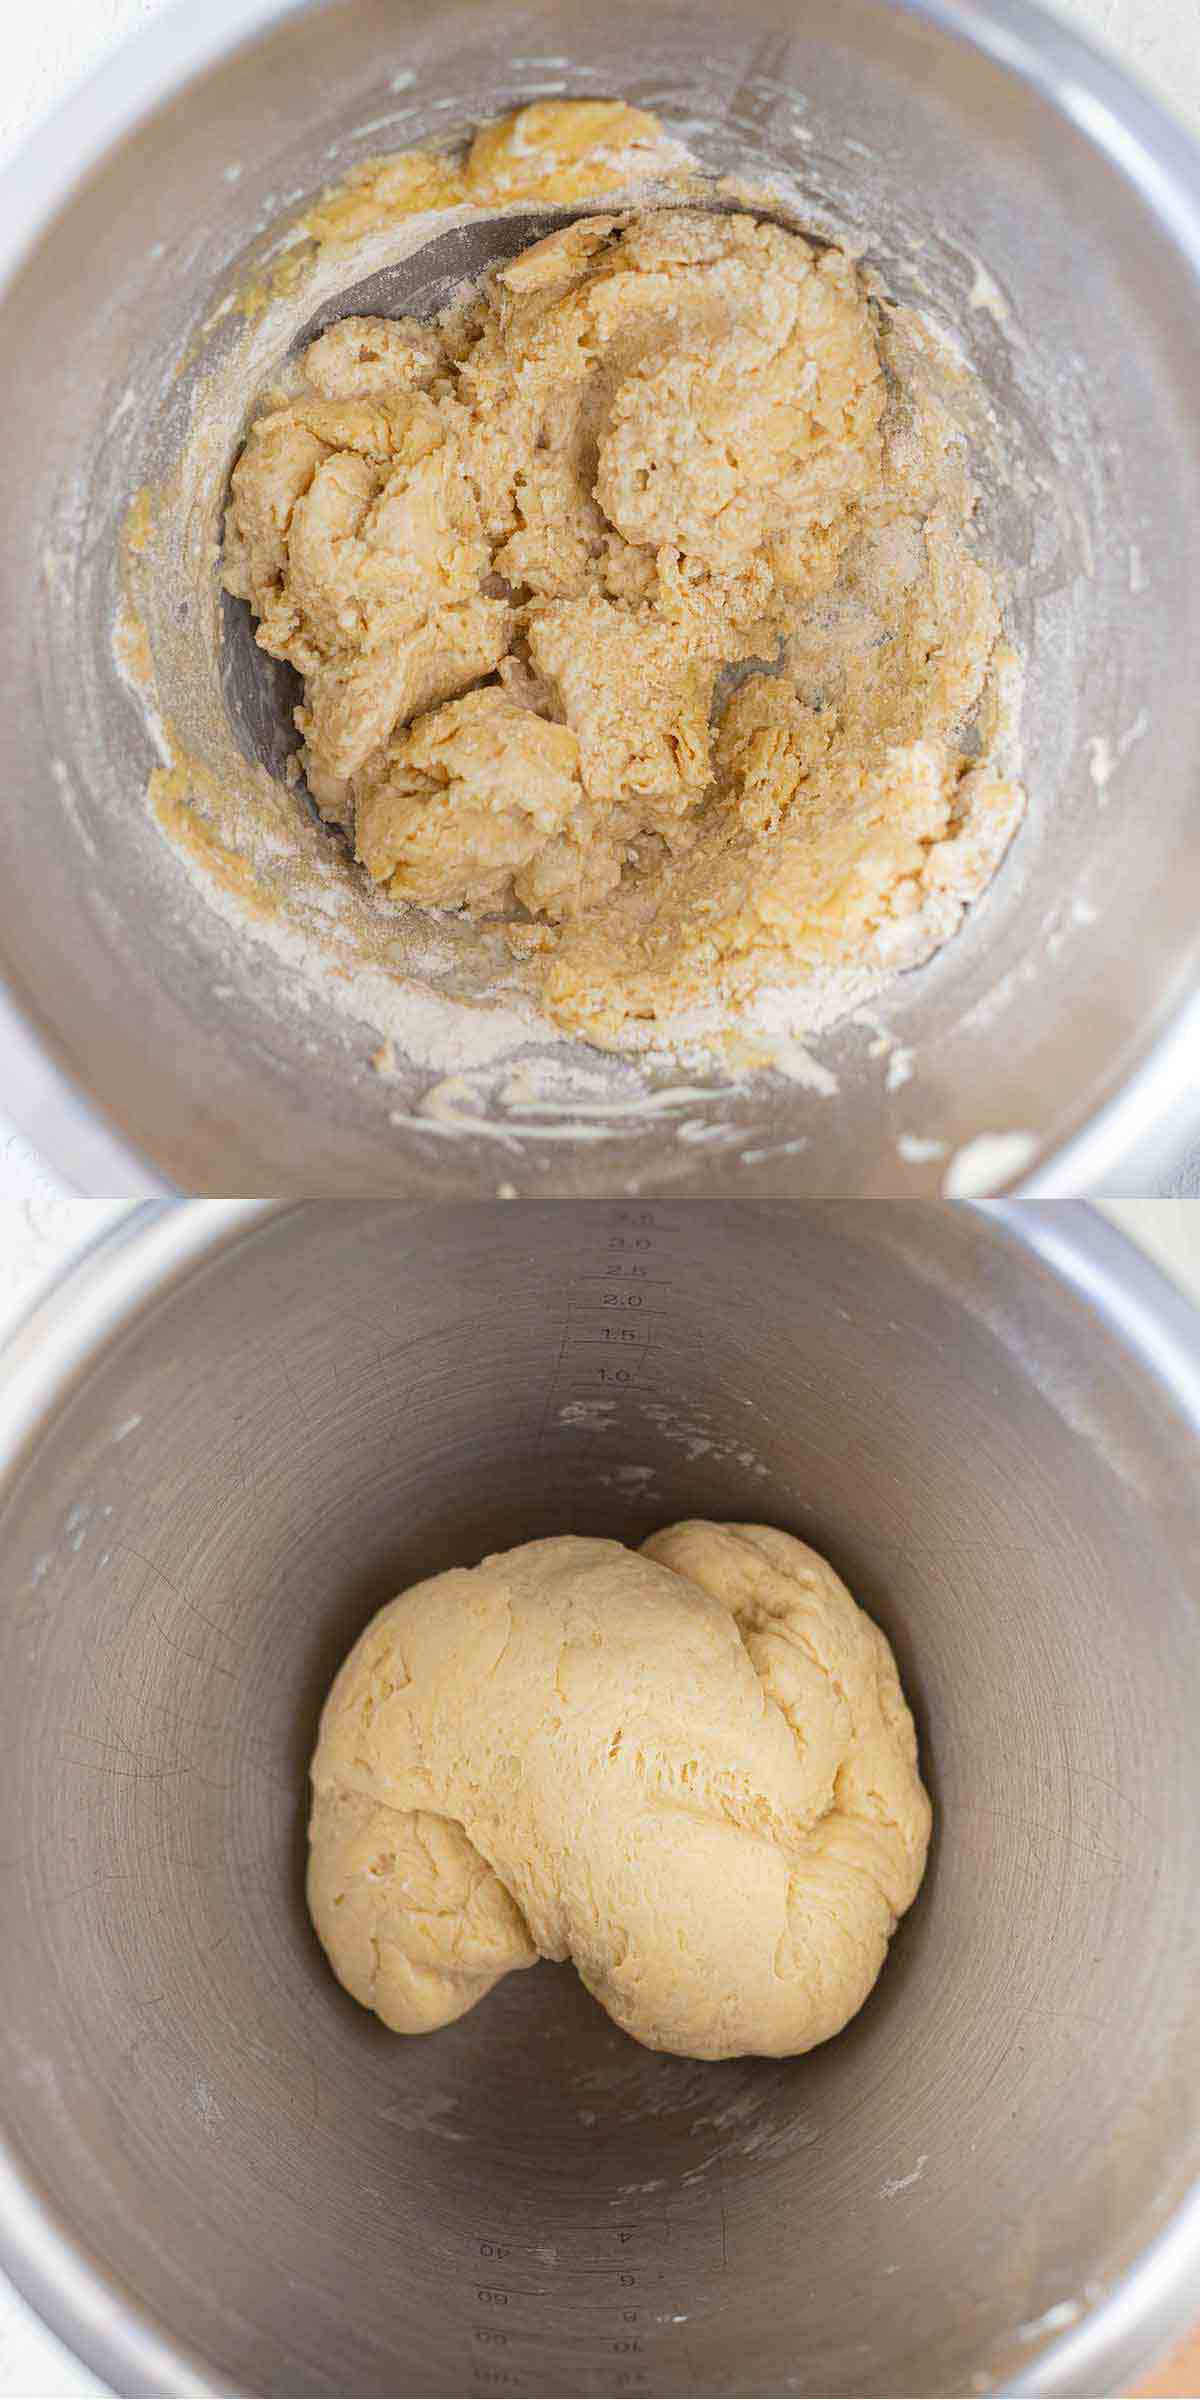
(633, 602)
(690, 1769)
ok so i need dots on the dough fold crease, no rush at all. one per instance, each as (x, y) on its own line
(690, 1769)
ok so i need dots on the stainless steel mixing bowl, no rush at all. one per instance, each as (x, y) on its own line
(150, 1049)
(230, 1436)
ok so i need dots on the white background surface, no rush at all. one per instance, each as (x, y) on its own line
(37, 1235)
(52, 45)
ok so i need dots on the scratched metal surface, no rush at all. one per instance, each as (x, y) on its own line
(349, 1398)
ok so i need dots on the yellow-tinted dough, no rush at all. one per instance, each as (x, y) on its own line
(463, 803)
(690, 1769)
(651, 449)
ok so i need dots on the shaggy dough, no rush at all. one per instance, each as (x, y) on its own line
(523, 556)
(690, 1769)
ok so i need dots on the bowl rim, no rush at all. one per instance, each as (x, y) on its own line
(83, 1308)
(1144, 145)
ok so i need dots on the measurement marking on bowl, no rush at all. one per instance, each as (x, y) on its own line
(615, 1302)
(624, 1304)
(609, 2297)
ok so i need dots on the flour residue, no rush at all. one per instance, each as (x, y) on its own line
(893, 2185)
(987, 1164)
(551, 1100)
(1052, 2320)
(985, 293)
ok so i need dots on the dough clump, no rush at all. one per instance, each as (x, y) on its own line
(633, 603)
(689, 1768)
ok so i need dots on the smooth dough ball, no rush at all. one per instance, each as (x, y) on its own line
(690, 1769)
